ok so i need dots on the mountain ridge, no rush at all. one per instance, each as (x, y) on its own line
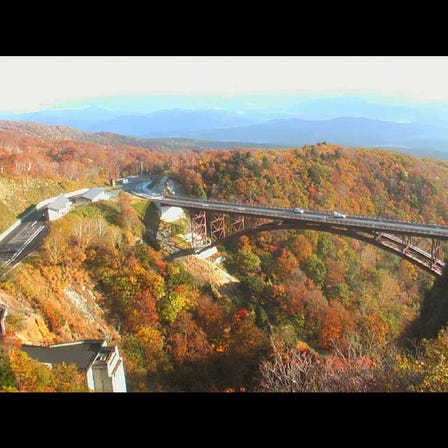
(417, 138)
(59, 132)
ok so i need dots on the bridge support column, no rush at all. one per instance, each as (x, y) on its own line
(198, 225)
(236, 223)
(435, 251)
(407, 243)
(217, 227)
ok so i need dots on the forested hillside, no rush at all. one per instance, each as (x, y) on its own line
(324, 177)
(311, 311)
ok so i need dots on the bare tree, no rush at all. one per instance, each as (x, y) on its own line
(289, 370)
(346, 370)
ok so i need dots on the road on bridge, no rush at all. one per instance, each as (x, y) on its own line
(350, 222)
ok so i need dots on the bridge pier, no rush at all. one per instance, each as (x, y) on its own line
(407, 243)
(214, 227)
(237, 223)
(198, 226)
(435, 250)
(217, 227)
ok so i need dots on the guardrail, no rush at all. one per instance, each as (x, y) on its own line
(10, 229)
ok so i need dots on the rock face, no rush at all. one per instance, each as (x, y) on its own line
(207, 272)
(80, 318)
(25, 322)
(34, 329)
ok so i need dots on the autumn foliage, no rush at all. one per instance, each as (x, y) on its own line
(311, 311)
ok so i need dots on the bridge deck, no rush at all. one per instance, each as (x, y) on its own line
(323, 219)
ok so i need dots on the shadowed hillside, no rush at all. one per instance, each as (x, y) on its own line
(433, 316)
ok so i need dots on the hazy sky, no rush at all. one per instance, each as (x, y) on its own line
(32, 83)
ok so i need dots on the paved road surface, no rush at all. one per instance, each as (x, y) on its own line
(24, 239)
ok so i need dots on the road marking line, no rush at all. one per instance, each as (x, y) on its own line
(27, 242)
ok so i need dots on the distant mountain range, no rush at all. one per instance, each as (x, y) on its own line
(420, 129)
(163, 123)
(410, 137)
(55, 132)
